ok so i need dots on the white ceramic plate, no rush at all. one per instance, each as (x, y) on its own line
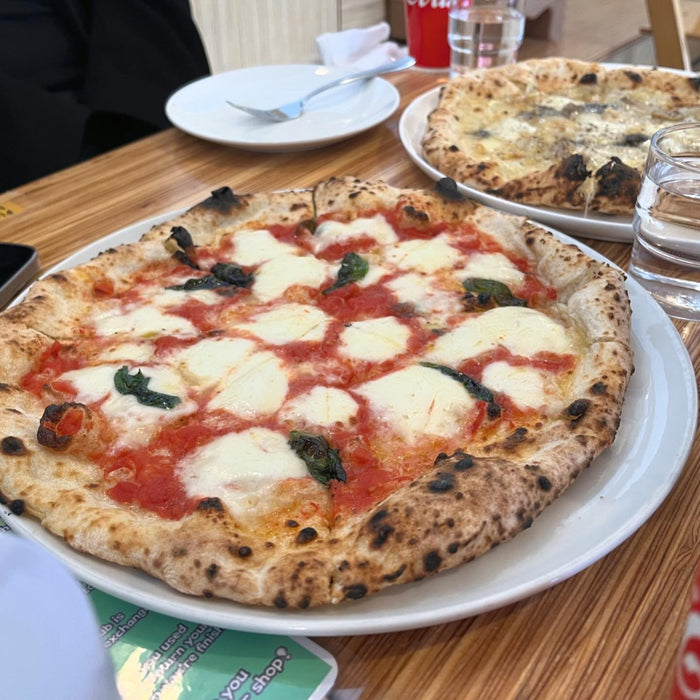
(200, 108)
(606, 504)
(603, 227)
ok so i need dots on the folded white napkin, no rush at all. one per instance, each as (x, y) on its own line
(359, 48)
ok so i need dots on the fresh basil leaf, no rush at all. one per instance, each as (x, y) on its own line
(352, 268)
(310, 225)
(137, 386)
(182, 257)
(195, 283)
(222, 275)
(492, 289)
(322, 461)
(126, 383)
(232, 274)
(477, 390)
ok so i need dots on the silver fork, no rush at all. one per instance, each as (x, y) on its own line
(295, 109)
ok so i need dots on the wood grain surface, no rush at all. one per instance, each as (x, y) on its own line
(611, 631)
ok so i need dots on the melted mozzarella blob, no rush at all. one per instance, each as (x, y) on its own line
(418, 400)
(374, 340)
(521, 330)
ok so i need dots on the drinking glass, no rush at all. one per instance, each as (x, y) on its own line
(426, 32)
(666, 248)
(484, 33)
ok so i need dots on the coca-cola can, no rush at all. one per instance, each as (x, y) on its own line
(686, 677)
(426, 32)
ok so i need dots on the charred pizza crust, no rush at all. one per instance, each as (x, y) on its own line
(56, 304)
(556, 132)
(463, 504)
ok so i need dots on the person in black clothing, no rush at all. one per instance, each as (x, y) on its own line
(80, 77)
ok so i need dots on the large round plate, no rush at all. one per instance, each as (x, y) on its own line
(603, 227)
(606, 504)
(200, 108)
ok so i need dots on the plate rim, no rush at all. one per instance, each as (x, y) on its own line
(305, 143)
(156, 595)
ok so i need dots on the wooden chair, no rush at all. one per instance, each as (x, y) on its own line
(668, 32)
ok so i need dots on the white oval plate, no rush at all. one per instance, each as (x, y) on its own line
(600, 226)
(606, 504)
(200, 108)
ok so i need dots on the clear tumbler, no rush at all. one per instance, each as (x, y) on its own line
(666, 249)
(484, 33)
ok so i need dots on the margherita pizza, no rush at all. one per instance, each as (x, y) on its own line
(297, 398)
(556, 132)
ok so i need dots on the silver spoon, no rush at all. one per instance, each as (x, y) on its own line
(295, 109)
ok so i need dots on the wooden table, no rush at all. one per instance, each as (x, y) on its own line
(611, 631)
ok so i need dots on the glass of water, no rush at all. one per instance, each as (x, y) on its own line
(666, 249)
(484, 33)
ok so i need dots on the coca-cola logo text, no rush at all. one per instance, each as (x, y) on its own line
(435, 4)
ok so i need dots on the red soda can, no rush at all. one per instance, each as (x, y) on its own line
(686, 677)
(426, 32)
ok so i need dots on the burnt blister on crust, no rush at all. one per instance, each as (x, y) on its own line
(15, 505)
(394, 575)
(49, 422)
(618, 180)
(383, 532)
(222, 199)
(181, 236)
(443, 481)
(355, 591)
(573, 168)
(13, 446)
(432, 561)
(464, 462)
(588, 79)
(578, 408)
(518, 436)
(305, 535)
(211, 504)
(446, 187)
(380, 529)
(461, 461)
(417, 214)
(525, 521)
(544, 483)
